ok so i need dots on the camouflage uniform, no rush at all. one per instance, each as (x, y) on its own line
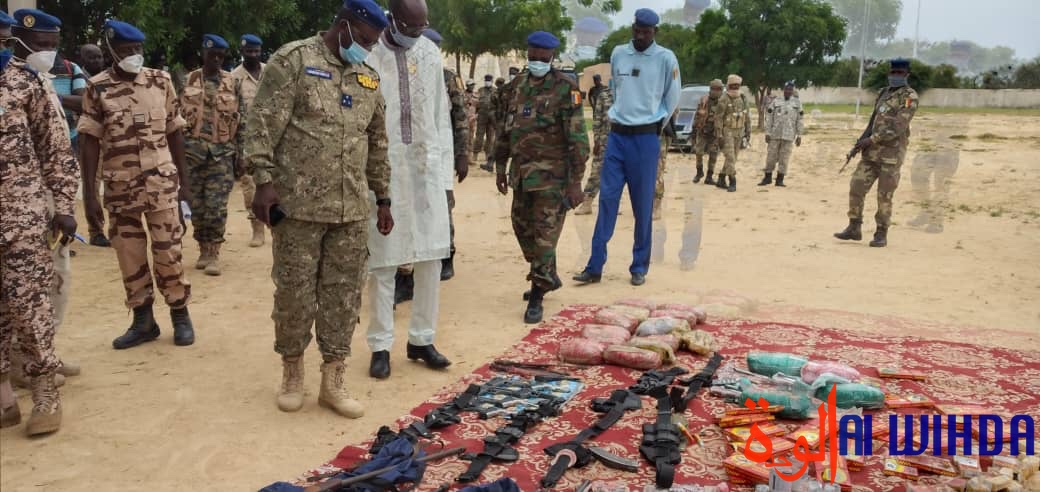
(705, 140)
(783, 125)
(733, 123)
(544, 133)
(890, 134)
(246, 87)
(600, 130)
(131, 119)
(212, 111)
(317, 132)
(35, 162)
(662, 163)
(485, 124)
(471, 119)
(456, 95)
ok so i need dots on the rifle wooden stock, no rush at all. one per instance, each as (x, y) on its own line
(339, 483)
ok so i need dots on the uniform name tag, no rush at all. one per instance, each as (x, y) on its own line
(317, 72)
(346, 101)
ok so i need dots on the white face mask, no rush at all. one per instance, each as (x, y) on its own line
(41, 61)
(132, 63)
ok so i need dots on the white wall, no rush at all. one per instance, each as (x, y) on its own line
(936, 98)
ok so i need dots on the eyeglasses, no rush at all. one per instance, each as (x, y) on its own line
(412, 31)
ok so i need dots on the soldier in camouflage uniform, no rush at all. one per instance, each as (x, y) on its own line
(36, 164)
(883, 144)
(783, 129)
(665, 138)
(247, 79)
(485, 115)
(600, 130)
(211, 105)
(732, 128)
(130, 124)
(316, 91)
(704, 132)
(544, 133)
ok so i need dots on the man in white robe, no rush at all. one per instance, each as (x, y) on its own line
(419, 128)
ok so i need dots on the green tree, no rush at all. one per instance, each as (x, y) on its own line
(768, 42)
(674, 16)
(881, 25)
(600, 9)
(1027, 75)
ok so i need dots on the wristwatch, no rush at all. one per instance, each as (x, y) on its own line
(383, 201)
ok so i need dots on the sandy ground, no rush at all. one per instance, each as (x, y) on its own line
(159, 417)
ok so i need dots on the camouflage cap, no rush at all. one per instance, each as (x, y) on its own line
(716, 83)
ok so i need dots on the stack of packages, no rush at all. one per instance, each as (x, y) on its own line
(639, 334)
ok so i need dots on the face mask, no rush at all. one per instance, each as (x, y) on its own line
(512, 76)
(487, 83)
(538, 68)
(733, 92)
(401, 40)
(896, 80)
(41, 61)
(355, 54)
(132, 63)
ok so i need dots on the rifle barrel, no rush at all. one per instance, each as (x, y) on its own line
(340, 483)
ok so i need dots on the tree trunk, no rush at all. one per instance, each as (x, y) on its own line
(458, 63)
(472, 65)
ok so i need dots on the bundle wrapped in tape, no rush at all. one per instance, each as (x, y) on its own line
(639, 303)
(609, 316)
(670, 339)
(608, 334)
(582, 351)
(661, 326)
(633, 357)
(661, 347)
(698, 341)
(638, 313)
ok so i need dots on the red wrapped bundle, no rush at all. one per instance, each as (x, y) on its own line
(582, 351)
(812, 370)
(639, 303)
(695, 315)
(609, 316)
(635, 358)
(670, 340)
(689, 316)
(608, 334)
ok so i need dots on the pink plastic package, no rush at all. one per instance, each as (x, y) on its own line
(689, 316)
(608, 334)
(640, 303)
(635, 358)
(582, 351)
(812, 370)
(609, 316)
(700, 315)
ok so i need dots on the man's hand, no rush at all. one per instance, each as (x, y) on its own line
(864, 143)
(767, 138)
(798, 141)
(575, 195)
(502, 182)
(384, 220)
(263, 200)
(93, 211)
(65, 224)
(462, 167)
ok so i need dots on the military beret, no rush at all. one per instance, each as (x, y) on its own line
(542, 39)
(36, 20)
(251, 40)
(900, 63)
(647, 17)
(715, 83)
(213, 41)
(514, 70)
(368, 12)
(6, 20)
(121, 32)
(789, 83)
(433, 35)
(734, 79)
(489, 77)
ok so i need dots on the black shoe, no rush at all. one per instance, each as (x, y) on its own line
(533, 314)
(721, 183)
(448, 268)
(852, 232)
(880, 238)
(638, 278)
(780, 180)
(700, 174)
(142, 329)
(404, 288)
(587, 277)
(768, 180)
(732, 184)
(557, 284)
(708, 180)
(379, 368)
(100, 241)
(429, 355)
(183, 331)
(487, 167)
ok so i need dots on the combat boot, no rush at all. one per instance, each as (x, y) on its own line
(700, 170)
(708, 180)
(721, 183)
(213, 267)
(183, 331)
(585, 208)
(204, 256)
(46, 413)
(732, 184)
(10, 415)
(768, 179)
(852, 232)
(258, 234)
(780, 180)
(142, 329)
(534, 312)
(333, 395)
(19, 379)
(404, 287)
(880, 238)
(290, 395)
(448, 268)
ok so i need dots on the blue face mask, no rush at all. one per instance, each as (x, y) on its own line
(355, 54)
(538, 68)
(896, 80)
(5, 56)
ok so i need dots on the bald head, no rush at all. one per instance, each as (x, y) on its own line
(91, 59)
(411, 17)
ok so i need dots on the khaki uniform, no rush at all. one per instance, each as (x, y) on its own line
(783, 122)
(131, 119)
(246, 86)
(704, 137)
(732, 123)
(317, 132)
(600, 131)
(485, 137)
(36, 163)
(211, 109)
(662, 165)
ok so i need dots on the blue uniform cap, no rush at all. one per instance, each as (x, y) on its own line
(898, 63)
(6, 20)
(213, 41)
(647, 17)
(121, 32)
(36, 20)
(368, 12)
(433, 36)
(251, 40)
(542, 39)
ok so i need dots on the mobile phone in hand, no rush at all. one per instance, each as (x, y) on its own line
(276, 214)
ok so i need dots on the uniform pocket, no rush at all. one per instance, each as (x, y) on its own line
(157, 118)
(116, 175)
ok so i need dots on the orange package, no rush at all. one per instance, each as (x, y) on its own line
(908, 401)
(779, 445)
(742, 420)
(894, 468)
(730, 412)
(930, 464)
(892, 373)
(840, 473)
(738, 464)
(743, 432)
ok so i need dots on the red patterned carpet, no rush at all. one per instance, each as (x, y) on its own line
(1006, 380)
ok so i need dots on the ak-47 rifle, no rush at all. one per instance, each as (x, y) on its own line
(848, 157)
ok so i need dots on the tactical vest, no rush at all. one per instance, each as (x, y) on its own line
(223, 116)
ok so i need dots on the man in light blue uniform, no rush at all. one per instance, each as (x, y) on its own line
(646, 84)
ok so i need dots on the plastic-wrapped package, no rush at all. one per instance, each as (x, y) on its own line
(854, 395)
(1029, 466)
(689, 316)
(770, 363)
(797, 406)
(608, 316)
(608, 334)
(661, 326)
(639, 303)
(633, 357)
(638, 313)
(582, 351)
(669, 339)
(662, 348)
(698, 341)
(699, 313)
(1032, 483)
(812, 370)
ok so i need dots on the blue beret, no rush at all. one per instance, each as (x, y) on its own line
(542, 39)
(251, 40)
(6, 20)
(213, 41)
(433, 36)
(121, 32)
(36, 20)
(368, 12)
(897, 63)
(647, 17)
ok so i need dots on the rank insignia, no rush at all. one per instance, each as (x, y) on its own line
(368, 82)
(346, 101)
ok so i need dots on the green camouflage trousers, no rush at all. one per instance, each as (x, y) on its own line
(318, 273)
(867, 172)
(592, 184)
(537, 222)
(662, 162)
(730, 151)
(212, 179)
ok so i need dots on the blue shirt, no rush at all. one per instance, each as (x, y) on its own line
(64, 84)
(646, 84)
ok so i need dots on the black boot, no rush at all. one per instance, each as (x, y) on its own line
(534, 312)
(708, 180)
(557, 283)
(379, 368)
(183, 331)
(768, 180)
(721, 183)
(142, 329)
(100, 241)
(587, 277)
(780, 180)
(429, 355)
(404, 287)
(700, 170)
(732, 184)
(852, 232)
(880, 238)
(448, 267)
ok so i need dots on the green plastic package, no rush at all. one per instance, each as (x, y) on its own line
(851, 395)
(770, 363)
(796, 406)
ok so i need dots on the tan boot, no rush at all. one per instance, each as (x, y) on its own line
(333, 395)
(68, 369)
(204, 256)
(10, 415)
(585, 208)
(213, 268)
(19, 379)
(290, 396)
(46, 412)
(258, 234)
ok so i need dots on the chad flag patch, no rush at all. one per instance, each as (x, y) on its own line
(576, 98)
(367, 81)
